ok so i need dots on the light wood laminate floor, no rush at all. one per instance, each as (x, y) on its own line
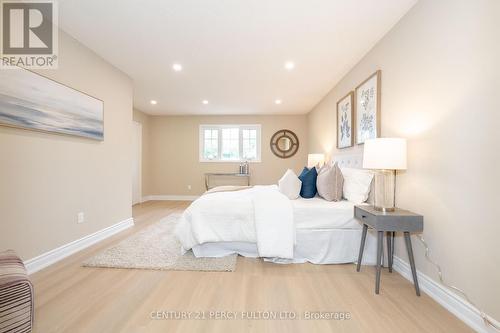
(71, 298)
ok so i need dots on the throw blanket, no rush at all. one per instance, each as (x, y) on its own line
(274, 225)
(260, 214)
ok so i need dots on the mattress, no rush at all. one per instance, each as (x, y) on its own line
(317, 213)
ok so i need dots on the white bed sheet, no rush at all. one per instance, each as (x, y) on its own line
(326, 233)
(317, 213)
(317, 246)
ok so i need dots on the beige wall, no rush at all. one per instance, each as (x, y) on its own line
(46, 179)
(174, 152)
(145, 120)
(440, 80)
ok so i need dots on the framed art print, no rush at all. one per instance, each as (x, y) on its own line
(345, 111)
(368, 109)
(32, 101)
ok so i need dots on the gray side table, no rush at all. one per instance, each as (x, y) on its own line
(391, 222)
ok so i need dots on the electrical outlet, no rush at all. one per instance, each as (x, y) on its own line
(189, 187)
(81, 217)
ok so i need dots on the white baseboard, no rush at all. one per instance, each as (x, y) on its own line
(48, 258)
(170, 197)
(448, 299)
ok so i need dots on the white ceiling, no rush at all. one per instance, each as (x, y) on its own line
(232, 51)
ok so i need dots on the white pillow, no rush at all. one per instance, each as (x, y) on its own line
(357, 184)
(290, 184)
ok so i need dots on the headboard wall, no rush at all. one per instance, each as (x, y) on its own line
(349, 161)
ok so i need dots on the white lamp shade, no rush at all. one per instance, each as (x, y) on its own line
(315, 160)
(385, 153)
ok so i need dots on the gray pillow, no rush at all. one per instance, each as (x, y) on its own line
(330, 182)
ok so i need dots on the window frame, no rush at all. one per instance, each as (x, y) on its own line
(219, 127)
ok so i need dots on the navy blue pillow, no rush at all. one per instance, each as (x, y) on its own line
(308, 178)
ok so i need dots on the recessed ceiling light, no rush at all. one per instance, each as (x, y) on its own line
(278, 101)
(205, 101)
(289, 65)
(153, 102)
(177, 67)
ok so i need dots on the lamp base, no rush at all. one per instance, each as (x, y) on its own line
(384, 190)
(384, 209)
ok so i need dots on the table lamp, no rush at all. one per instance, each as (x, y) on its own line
(386, 156)
(316, 160)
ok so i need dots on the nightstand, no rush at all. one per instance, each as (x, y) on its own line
(390, 222)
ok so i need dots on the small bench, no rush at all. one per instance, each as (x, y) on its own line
(16, 295)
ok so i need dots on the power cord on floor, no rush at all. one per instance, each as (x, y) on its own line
(456, 290)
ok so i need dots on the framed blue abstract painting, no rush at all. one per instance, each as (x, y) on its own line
(31, 101)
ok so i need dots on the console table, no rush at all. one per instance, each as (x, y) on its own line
(389, 222)
(221, 174)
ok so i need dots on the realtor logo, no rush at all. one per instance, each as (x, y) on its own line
(29, 34)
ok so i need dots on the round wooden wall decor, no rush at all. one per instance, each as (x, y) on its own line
(284, 143)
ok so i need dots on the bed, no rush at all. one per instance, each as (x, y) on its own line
(261, 222)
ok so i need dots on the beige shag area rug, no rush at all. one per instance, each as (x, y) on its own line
(156, 247)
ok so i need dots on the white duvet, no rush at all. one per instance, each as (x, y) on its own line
(260, 214)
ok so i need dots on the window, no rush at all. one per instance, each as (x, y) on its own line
(211, 142)
(230, 148)
(229, 143)
(249, 140)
